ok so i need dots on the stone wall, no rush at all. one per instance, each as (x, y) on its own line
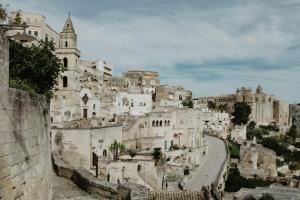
(25, 162)
(102, 189)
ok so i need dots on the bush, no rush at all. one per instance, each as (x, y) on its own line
(276, 144)
(234, 149)
(294, 166)
(23, 85)
(235, 181)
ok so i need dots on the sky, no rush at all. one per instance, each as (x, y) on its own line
(210, 47)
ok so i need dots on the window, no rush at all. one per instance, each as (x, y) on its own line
(180, 97)
(160, 123)
(104, 153)
(29, 32)
(65, 60)
(66, 44)
(65, 81)
(36, 33)
(153, 123)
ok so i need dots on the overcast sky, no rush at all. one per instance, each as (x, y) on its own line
(208, 46)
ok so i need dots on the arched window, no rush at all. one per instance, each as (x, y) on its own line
(66, 44)
(65, 81)
(160, 123)
(153, 123)
(65, 60)
(157, 123)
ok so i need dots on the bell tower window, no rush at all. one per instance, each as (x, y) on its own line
(66, 44)
(65, 60)
(65, 81)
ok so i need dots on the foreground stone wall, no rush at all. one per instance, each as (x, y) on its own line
(89, 183)
(24, 140)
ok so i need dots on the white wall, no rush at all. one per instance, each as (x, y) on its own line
(136, 104)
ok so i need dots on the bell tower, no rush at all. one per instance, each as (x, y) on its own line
(65, 105)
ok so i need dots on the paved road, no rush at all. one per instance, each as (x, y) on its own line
(208, 172)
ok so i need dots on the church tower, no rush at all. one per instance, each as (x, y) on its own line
(65, 104)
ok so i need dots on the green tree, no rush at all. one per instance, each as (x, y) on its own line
(241, 113)
(292, 133)
(276, 144)
(36, 67)
(211, 105)
(156, 155)
(188, 103)
(250, 130)
(16, 20)
(116, 148)
(3, 14)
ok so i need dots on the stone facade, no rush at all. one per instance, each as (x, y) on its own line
(266, 108)
(173, 93)
(166, 129)
(133, 104)
(25, 163)
(77, 145)
(37, 28)
(216, 123)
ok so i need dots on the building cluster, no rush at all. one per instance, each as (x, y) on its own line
(265, 108)
(91, 108)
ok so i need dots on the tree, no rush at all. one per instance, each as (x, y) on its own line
(3, 14)
(241, 113)
(34, 67)
(116, 148)
(292, 133)
(188, 103)
(16, 20)
(156, 155)
(250, 130)
(211, 105)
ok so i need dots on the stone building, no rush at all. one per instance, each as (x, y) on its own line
(216, 123)
(168, 129)
(77, 144)
(133, 103)
(266, 108)
(146, 80)
(37, 28)
(167, 95)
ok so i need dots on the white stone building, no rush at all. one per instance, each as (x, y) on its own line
(37, 27)
(171, 129)
(133, 103)
(216, 123)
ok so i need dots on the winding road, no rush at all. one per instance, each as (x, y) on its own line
(207, 173)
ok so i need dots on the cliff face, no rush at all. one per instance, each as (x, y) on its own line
(295, 115)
